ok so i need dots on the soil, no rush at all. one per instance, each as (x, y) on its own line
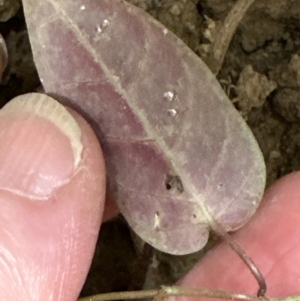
(261, 76)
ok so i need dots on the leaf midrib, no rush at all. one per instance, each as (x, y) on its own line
(146, 126)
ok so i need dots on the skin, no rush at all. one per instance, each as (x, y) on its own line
(271, 239)
(46, 246)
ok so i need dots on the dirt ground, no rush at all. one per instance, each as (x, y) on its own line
(259, 74)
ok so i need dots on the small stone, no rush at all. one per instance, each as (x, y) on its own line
(252, 89)
(175, 10)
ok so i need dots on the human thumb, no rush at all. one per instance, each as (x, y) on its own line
(271, 239)
(52, 186)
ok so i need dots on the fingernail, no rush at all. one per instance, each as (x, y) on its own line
(40, 146)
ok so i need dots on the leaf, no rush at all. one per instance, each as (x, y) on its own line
(179, 156)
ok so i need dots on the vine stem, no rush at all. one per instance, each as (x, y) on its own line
(220, 46)
(225, 33)
(168, 291)
(221, 232)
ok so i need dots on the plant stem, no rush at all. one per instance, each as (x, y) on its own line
(225, 33)
(122, 295)
(220, 231)
(167, 291)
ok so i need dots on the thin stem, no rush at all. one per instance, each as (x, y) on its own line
(131, 295)
(243, 255)
(225, 33)
(168, 291)
(215, 294)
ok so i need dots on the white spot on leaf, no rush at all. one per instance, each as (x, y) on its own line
(156, 220)
(100, 29)
(172, 112)
(169, 95)
(105, 23)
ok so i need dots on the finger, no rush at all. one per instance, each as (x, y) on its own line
(52, 187)
(271, 239)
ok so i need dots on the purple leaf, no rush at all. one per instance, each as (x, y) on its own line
(178, 154)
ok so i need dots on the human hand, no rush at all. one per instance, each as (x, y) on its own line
(51, 209)
(271, 239)
(51, 213)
